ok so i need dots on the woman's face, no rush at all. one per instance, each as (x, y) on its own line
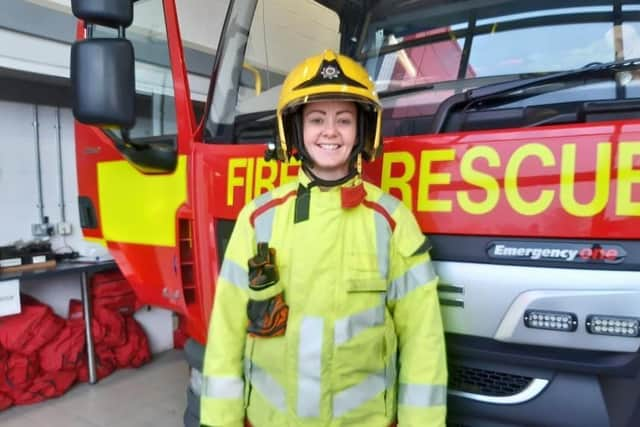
(329, 132)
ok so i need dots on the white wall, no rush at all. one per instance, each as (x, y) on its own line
(18, 172)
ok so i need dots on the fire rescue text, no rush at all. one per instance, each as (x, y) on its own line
(475, 179)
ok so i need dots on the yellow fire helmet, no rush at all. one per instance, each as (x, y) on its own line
(328, 76)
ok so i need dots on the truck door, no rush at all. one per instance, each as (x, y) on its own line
(131, 189)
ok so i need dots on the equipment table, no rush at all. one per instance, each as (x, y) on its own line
(85, 269)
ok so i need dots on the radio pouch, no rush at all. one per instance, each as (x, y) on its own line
(266, 309)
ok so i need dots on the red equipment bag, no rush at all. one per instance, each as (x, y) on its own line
(29, 330)
(19, 373)
(104, 358)
(4, 355)
(5, 401)
(135, 352)
(111, 290)
(106, 363)
(107, 325)
(76, 321)
(45, 386)
(66, 351)
(113, 325)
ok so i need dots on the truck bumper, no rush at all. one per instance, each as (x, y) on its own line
(493, 384)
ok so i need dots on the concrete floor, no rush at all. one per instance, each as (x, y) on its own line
(151, 396)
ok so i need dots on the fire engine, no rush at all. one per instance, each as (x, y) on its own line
(511, 129)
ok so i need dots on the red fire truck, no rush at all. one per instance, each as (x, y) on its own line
(512, 130)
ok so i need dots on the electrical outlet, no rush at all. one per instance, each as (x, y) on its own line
(64, 228)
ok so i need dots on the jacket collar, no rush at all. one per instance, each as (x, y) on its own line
(352, 194)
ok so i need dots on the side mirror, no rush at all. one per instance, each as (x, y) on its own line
(103, 70)
(103, 82)
(109, 13)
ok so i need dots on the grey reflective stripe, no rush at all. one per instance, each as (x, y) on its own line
(264, 222)
(264, 225)
(383, 237)
(262, 199)
(422, 395)
(348, 327)
(309, 366)
(359, 394)
(383, 232)
(419, 275)
(389, 203)
(391, 370)
(247, 368)
(268, 387)
(222, 387)
(234, 274)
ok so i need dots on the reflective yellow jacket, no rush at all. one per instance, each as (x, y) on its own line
(364, 344)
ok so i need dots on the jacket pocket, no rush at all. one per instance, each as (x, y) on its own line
(370, 284)
(364, 286)
(268, 317)
(363, 274)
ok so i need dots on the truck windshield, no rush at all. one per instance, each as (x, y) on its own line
(424, 53)
(421, 52)
(262, 41)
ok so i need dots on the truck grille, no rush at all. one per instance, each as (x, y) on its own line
(484, 382)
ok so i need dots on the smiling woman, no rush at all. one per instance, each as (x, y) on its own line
(329, 132)
(326, 281)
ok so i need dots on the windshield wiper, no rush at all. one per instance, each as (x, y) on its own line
(514, 89)
(405, 90)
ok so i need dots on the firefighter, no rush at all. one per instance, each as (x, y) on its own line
(326, 311)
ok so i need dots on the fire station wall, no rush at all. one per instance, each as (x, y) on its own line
(19, 173)
(20, 202)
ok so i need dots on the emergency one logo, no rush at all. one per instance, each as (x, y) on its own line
(558, 252)
(330, 72)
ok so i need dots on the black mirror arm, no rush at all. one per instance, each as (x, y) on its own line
(127, 142)
(89, 27)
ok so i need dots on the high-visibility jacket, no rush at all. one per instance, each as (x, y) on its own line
(364, 343)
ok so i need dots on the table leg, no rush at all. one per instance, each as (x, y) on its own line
(86, 307)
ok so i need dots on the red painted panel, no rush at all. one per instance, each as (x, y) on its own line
(153, 272)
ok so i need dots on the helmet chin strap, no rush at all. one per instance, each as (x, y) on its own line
(315, 180)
